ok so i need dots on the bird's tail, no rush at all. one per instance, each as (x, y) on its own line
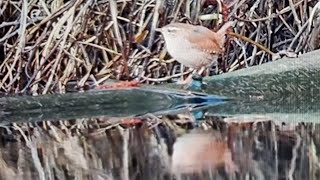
(222, 32)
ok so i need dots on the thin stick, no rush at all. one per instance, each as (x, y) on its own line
(232, 34)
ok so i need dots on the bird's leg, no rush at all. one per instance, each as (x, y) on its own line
(201, 70)
(181, 77)
(188, 79)
(196, 73)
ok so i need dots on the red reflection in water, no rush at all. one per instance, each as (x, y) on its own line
(201, 151)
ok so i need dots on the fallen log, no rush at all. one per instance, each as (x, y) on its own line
(296, 76)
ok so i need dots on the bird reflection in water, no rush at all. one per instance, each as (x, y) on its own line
(201, 151)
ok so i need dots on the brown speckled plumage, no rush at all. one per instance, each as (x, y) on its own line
(194, 46)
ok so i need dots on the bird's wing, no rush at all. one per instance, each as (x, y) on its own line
(206, 40)
(209, 41)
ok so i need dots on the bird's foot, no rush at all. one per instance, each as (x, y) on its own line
(197, 83)
(193, 81)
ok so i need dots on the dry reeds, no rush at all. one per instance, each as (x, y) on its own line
(44, 45)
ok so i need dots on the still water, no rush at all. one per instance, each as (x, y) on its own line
(187, 139)
(169, 147)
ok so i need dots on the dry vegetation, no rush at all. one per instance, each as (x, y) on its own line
(45, 45)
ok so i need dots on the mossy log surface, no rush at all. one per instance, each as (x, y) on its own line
(288, 89)
(288, 76)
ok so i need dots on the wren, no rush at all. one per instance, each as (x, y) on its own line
(194, 46)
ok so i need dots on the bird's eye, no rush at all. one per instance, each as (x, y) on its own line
(172, 29)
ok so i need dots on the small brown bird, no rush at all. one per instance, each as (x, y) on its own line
(200, 151)
(194, 46)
